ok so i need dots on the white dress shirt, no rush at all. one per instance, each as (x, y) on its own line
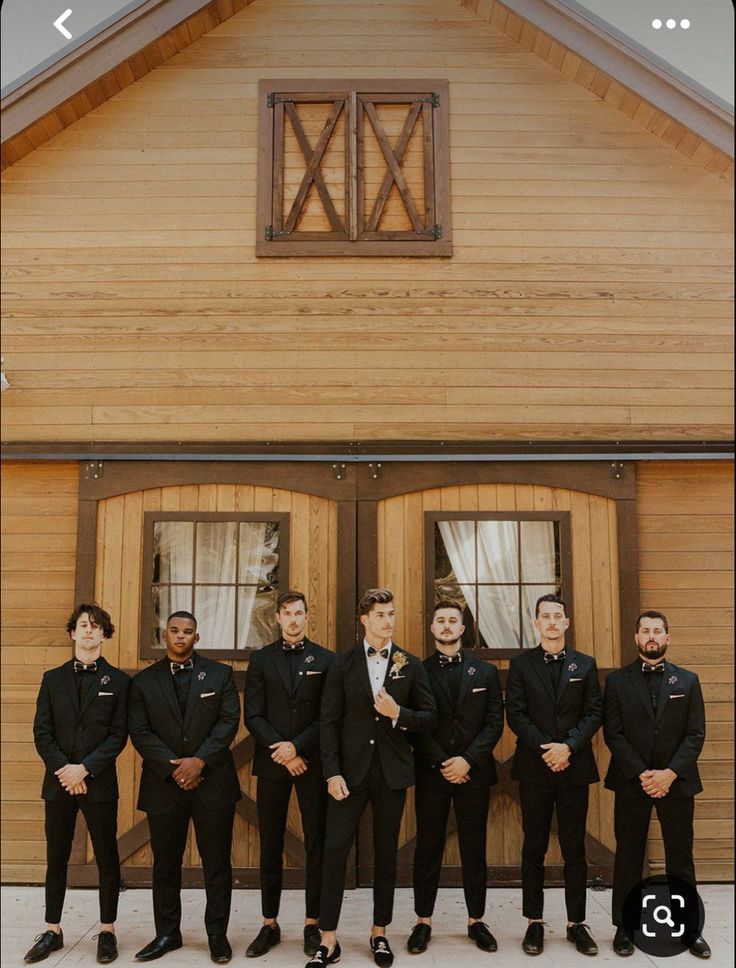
(377, 666)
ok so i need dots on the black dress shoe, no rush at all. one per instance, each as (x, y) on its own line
(533, 943)
(581, 937)
(44, 944)
(268, 937)
(160, 946)
(622, 943)
(382, 953)
(321, 958)
(419, 938)
(483, 938)
(220, 950)
(700, 947)
(312, 939)
(107, 947)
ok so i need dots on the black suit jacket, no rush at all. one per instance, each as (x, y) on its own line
(472, 727)
(93, 733)
(640, 741)
(351, 730)
(160, 733)
(275, 712)
(538, 714)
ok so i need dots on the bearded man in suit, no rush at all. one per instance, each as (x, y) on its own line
(184, 714)
(375, 694)
(283, 696)
(455, 767)
(80, 728)
(654, 725)
(554, 705)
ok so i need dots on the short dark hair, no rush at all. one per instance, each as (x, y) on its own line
(182, 614)
(446, 603)
(374, 596)
(97, 615)
(651, 613)
(291, 596)
(549, 598)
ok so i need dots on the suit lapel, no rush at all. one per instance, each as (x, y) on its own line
(539, 667)
(193, 694)
(565, 674)
(466, 678)
(667, 687)
(94, 688)
(360, 664)
(70, 684)
(281, 663)
(166, 684)
(435, 671)
(637, 680)
(301, 673)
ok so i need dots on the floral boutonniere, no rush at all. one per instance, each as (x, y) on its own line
(399, 661)
(572, 667)
(471, 671)
(672, 680)
(309, 658)
(201, 675)
(104, 680)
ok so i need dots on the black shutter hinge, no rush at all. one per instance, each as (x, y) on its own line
(433, 99)
(436, 231)
(273, 99)
(271, 234)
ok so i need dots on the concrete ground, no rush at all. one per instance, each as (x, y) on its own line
(22, 919)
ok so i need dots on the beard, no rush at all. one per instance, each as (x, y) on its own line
(652, 651)
(448, 643)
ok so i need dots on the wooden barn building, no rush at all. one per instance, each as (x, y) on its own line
(330, 294)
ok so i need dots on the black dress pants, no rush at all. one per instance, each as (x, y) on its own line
(273, 797)
(434, 796)
(343, 817)
(538, 803)
(102, 823)
(214, 832)
(631, 825)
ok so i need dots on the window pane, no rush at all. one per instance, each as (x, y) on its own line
(257, 616)
(167, 599)
(215, 612)
(529, 596)
(498, 551)
(498, 621)
(458, 538)
(259, 553)
(173, 543)
(540, 551)
(442, 567)
(216, 551)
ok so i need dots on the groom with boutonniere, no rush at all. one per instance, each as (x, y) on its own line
(374, 694)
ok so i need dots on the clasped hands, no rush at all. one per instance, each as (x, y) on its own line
(557, 756)
(657, 783)
(72, 777)
(455, 770)
(188, 772)
(285, 754)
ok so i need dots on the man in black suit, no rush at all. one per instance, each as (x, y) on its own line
(654, 725)
(283, 695)
(374, 693)
(184, 713)
(554, 706)
(80, 728)
(455, 766)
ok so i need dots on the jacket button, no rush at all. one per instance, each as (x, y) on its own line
(301, 673)
(186, 737)
(372, 742)
(376, 718)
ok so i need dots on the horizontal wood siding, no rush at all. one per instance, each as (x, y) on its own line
(686, 570)
(589, 293)
(39, 536)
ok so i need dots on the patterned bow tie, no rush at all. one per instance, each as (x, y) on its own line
(646, 667)
(382, 652)
(81, 667)
(554, 656)
(446, 660)
(178, 666)
(291, 647)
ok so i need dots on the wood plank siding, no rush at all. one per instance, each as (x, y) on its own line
(591, 261)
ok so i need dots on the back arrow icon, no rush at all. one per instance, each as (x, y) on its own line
(59, 24)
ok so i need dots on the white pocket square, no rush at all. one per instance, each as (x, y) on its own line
(678, 695)
(481, 689)
(576, 680)
(314, 672)
(206, 695)
(105, 693)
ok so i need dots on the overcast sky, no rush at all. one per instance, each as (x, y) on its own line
(705, 52)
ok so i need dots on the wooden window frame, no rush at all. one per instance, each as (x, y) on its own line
(566, 577)
(147, 651)
(273, 95)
